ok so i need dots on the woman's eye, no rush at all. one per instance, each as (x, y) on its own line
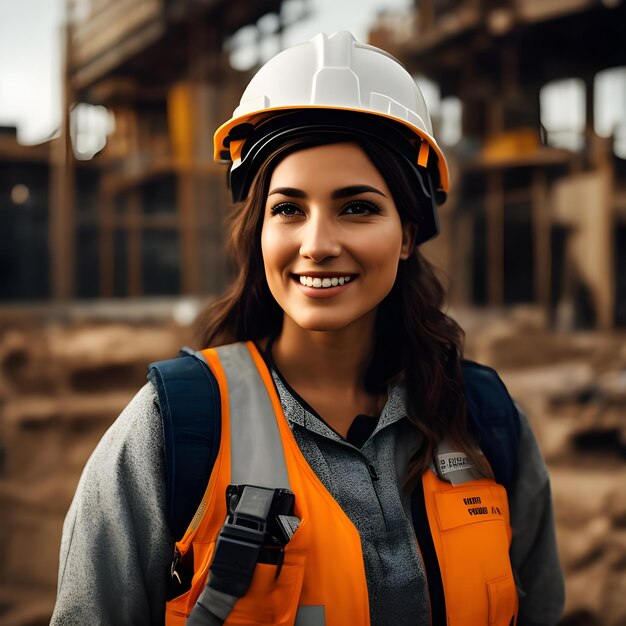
(361, 208)
(286, 209)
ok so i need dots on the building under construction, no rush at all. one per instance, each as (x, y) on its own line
(145, 216)
(528, 222)
(24, 202)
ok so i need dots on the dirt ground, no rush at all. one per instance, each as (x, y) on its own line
(64, 377)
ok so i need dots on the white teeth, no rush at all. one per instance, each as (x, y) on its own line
(323, 283)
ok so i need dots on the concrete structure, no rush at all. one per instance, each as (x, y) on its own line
(159, 68)
(528, 222)
(24, 200)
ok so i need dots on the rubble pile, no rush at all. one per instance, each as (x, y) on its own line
(61, 385)
(573, 388)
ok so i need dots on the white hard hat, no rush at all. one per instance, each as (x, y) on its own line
(334, 73)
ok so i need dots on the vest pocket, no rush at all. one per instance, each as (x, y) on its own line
(271, 600)
(502, 601)
(267, 601)
(472, 536)
(463, 506)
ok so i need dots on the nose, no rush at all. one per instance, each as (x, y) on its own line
(320, 238)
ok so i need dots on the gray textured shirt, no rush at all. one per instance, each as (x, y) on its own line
(116, 546)
(377, 507)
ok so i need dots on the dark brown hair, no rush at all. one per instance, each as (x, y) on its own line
(415, 340)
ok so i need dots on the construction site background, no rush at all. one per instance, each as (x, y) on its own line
(107, 258)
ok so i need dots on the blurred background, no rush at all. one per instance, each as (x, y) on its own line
(112, 212)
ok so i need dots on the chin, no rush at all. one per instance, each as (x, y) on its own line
(320, 325)
(323, 321)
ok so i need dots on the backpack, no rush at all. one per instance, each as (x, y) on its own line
(189, 402)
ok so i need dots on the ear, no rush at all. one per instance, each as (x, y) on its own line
(409, 233)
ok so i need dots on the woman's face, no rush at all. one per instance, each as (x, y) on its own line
(331, 238)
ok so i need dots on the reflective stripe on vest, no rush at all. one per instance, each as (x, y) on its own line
(322, 581)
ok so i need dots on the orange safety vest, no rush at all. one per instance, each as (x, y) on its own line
(322, 580)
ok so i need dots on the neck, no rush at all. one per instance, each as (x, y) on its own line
(333, 359)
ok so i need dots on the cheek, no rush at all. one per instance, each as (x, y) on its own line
(383, 249)
(267, 244)
(275, 250)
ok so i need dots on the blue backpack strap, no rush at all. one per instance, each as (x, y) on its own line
(189, 402)
(493, 419)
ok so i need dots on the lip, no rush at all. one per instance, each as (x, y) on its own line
(314, 274)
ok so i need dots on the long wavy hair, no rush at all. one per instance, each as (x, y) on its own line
(415, 342)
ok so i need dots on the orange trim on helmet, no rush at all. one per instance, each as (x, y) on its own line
(251, 118)
(235, 149)
(422, 157)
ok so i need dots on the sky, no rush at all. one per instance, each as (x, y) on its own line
(30, 54)
(30, 69)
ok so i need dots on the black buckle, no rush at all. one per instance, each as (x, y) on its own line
(260, 523)
(240, 541)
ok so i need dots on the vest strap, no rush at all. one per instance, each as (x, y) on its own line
(256, 447)
(259, 479)
(210, 603)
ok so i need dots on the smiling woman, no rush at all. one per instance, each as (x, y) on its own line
(344, 463)
(340, 221)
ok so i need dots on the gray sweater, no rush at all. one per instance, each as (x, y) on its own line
(116, 547)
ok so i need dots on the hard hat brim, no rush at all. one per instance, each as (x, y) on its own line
(221, 148)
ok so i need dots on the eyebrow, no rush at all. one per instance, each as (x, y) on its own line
(344, 192)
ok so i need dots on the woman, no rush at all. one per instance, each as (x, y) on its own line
(349, 425)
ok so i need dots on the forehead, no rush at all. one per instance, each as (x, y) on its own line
(327, 167)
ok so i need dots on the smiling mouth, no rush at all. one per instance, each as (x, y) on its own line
(319, 282)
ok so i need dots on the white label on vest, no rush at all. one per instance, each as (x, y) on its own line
(453, 462)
